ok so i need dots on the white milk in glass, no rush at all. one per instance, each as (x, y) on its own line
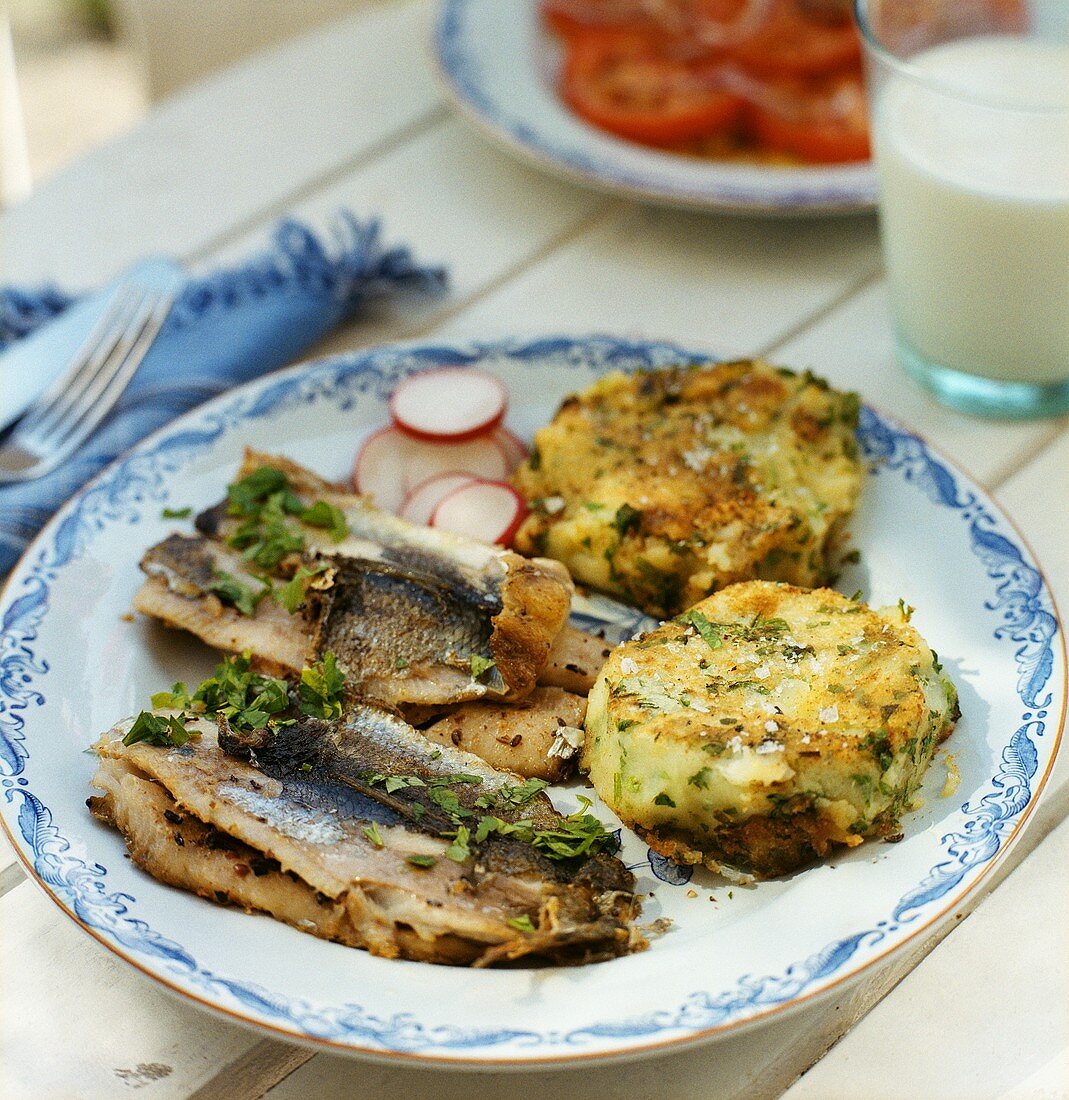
(973, 151)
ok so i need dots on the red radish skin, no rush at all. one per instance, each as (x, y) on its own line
(450, 404)
(390, 464)
(515, 448)
(420, 504)
(483, 457)
(490, 511)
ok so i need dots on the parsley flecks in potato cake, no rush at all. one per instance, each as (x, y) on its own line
(664, 486)
(766, 725)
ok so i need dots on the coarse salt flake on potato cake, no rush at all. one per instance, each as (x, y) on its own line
(766, 725)
(663, 486)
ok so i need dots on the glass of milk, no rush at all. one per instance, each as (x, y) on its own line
(970, 127)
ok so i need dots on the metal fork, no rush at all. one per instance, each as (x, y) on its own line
(79, 399)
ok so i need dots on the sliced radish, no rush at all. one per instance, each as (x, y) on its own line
(451, 403)
(483, 457)
(490, 511)
(390, 464)
(379, 468)
(515, 448)
(419, 505)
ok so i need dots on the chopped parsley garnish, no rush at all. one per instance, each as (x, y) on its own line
(626, 519)
(266, 537)
(856, 596)
(578, 834)
(521, 794)
(400, 663)
(700, 778)
(421, 861)
(251, 701)
(372, 833)
(710, 632)
(161, 730)
(247, 496)
(291, 594)
(905, 610)
(480, 666)
(246, 699)
(267, 504)
(459, 851)
(235, 592)
(521, 924)
(664, 800)
(328, 516)
(176, 513)
(322, 687)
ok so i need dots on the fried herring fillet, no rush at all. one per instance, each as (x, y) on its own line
(313, 799)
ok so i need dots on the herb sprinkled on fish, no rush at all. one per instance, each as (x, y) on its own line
(162, 730)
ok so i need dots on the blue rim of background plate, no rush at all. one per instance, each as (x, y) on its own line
(1018, 602)
(463, 76)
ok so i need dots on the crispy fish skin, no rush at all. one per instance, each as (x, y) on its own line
(181, 850)
(303, 800)
(179, 570)
(403, 608)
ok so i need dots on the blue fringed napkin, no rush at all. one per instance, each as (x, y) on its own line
(225, 328)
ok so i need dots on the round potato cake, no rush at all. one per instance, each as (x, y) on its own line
(663, 486)
(765, 725)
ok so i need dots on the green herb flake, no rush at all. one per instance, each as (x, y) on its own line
(235, 592)
(246, 699)
(905, 610)
(480, 666)
(372, 833)
(459, 851)
(664, 800)
(306, 766)
(400, 663)
(175, 699)
(176, 513)
(626, 519)
(711, 633)
(291, 595)
(421, 861)
(246, 497)
(521, 924)
(159, 730)
(322, 687)
(700, 779)
(327, 516)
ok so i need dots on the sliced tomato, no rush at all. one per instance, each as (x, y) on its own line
(791, 42)
(569, 18)
(624, 84)
(822, 121)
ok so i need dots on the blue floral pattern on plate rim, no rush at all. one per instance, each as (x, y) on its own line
(1018, 599)
(520, 130)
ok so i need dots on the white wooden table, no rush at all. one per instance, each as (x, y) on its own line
(351, 115)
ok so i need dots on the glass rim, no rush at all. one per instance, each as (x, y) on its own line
(878, 50)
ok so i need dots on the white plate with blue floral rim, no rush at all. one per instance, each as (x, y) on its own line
(499, 66)
(72, 662)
